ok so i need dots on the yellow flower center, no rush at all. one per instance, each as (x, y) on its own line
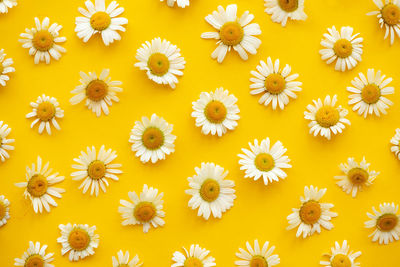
(341, 260)
(310, 212)
(37, 185)
(100, 20)
(231, 33)
(264, 162)
(327, 116)
(358, 176)
(289, 5)
(123, 265)
(78, 239)
(34, 261)
(391, 14)
(209, 190)
(97, 170)
(153, 138)
(158, 64)
(1, 68)
(46, 111)
(215, 111)
(343, 48)
(387, 222)
(370, 94)
(275, 83)
(43, 40)
(144, 211)
(258, 261)
(96, 90)
(192, 262)
(3, 210)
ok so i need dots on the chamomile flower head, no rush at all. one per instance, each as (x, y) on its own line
(35, 256)
(385, 222)
(179, 3)
(80, 240)
(152, 139)
(145, 209)
(325, 117)
(312, 214)
(282, 10)
(233, 33)
(97, 91)
(257, 256)
(341, 256)
(395, 143)
(95, 168)
(123, 260)
(39, 186)
(211, 192)
(161, 60)
(342, 47)
(195, 256)
(216, 112)
(369, 93)
(5, 143)
(45, 112)
(43, 41)
(4, 210)
(5, 66)
(6, 4)
(99, 19)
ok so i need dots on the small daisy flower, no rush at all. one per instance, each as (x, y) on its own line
(161, 60)
(99, 19)
(326, 118)
(357, 176)
(369, 93)
(257, 256)
(395, 143)
(43, 41)
(5, 143)
(95, 169)
(45, 112)
(216, 112)
(39, 186)
(275, 85)
(210, 191)
(179, 3)
(233, 33)
(4, 210)
(341, 256)
(282, 10)
(195, 256)
(5, 66)
(146, 209)
(6, 4)
(343, 46)
(78, 239)
(385, 222)
(312, 214)
(97, 91)
(123, 260)
(152, 139)
(35, 256)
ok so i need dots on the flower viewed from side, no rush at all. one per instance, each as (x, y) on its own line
(6, 4)
(122, 260)
(385, 223)
(257, 256)
(341, 256)
(5, 143)
(5, 66)
(195, 256)
(4, 210)
(35, 256)
(394, 142)
(282, 10)
(179, 3)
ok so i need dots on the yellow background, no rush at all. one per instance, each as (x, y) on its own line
(259, 211)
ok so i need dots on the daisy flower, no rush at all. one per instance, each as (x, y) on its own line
(233, 32)
(216, 112)
(45, 112)
(6, 4)
(326, 119)
(39, 186)
(282, 10)
(35, 256)
(146, 209)
(195, 256)
(99, 19)
(210, 191)
(257, 256)
(152, 139)
(123, 260)
(369, 93)
(161, 60)
(97, 91)
(4, 210)
(343, 46)
(395, 142)
(385, 223)
(95, 169)
(180, 3)
(5, 66)
(312, 214)
(43, 41)
(5, 143)
(341, 256)
(78, 239)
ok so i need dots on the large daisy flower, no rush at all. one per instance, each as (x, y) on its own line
(6, 4)
(343, 46)
(385, 222)
(5, 143)
(99, 19)
(161, 60)
(123, 260)
(233, 32)
(5, 67)
(341, 256)
(210, 191)
(152, 139)
(312, 214)
(256, 256)
(395, 143)
(98, 91)
(4, 210)
(78, 239)
(180, 3)
(282, 10)
(325, 117)
(35, 256)
(369, 93)
(195, 256)
(43, 41)
(39, 186)
(145, 209)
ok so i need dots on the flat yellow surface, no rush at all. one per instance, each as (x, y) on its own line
(259, 211)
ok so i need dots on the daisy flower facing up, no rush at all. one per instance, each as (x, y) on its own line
(145, 209)
(180, 3)
(152, 139)
(210, 191)
(161, 60)
(5, 142)
(123, 260)
(78, 239)
(312, 214)
(395, 143)
(341, 256)
(216, 112)
(6, 4)
(35, 256)
(385, 223)
(343, 46)
(98, 92)
(282, 10)
(5, 66)
(369, 93)
(195, 256)
(43, 41)
(233, 32)
(4, 210)
(39, 186)
(326, 119)
(99, 19)
(259, 257)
